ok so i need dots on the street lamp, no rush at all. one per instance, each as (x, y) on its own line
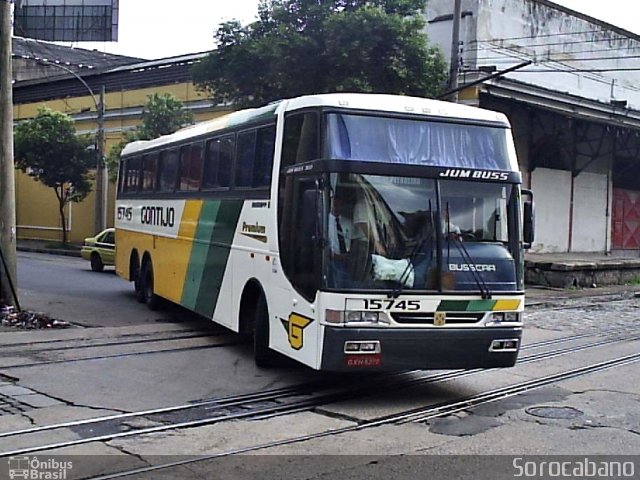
(100, 213)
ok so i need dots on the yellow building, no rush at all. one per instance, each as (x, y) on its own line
(126, 88)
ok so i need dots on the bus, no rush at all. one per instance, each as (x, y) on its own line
(231, 218)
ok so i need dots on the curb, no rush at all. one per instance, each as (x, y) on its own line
(51, 251)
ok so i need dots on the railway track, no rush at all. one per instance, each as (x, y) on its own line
(287, 400)
(226, 341)
(418, 415)
(49, 346)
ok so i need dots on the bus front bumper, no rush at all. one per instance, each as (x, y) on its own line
(408, 349)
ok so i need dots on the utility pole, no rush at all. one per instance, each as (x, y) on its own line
(101, 189)
(454, 67)
(7, 175)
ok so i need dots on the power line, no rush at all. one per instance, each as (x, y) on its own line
(563, 60)
(585, 70)
(609, 36)
(554, 44)
(547, 54)
(543, 36)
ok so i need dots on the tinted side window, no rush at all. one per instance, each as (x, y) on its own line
(132, 175)
(266, 142)
(218, 161)
(300, 142)
(108, 237)
(149, 172)
(245, 159)
(169, 162)
(190, 167)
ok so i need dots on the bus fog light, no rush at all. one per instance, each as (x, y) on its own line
(362, 346)
(370, 347)
(504, 345)
(351, 347)
(510, 344)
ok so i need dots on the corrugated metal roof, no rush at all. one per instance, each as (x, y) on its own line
(38, 49)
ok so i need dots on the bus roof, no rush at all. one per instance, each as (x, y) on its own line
(355, 101)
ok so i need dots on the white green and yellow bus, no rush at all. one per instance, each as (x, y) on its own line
(232, 218)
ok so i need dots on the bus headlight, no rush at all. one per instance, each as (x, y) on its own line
(504, 317)
(339, 317)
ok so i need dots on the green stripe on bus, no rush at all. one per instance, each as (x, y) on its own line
(465, 305)
(199, 252)
(219, 243)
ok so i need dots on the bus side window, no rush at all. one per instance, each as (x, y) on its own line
(300, 142)
(306, 254)
(266, 143)
(121, 175)
(149, 172)
(168, 175)
(132, 175)
(190, 167)
(227, 150)
(245, 159)
(218, 161)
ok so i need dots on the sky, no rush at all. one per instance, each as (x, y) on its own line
(153, 29)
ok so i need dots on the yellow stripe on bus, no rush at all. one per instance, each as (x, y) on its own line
(507, 305)
(178, 252)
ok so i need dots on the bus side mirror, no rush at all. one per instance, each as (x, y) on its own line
(528, 220)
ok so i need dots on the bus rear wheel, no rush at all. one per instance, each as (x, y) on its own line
(263, 355)
(152, 300)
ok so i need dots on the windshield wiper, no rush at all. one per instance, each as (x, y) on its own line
(414, 253)
(485, 292)
(395, 293)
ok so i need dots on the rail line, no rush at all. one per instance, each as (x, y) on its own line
(416, 415)
(244, 406)
(233, 342)
(6, 353)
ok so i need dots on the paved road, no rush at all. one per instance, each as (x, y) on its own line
(66, 288)
(88, 373)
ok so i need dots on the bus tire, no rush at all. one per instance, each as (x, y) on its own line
(263, 355)
(153, 301)
(137, 280)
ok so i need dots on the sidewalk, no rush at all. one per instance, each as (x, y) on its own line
(586, 270)
(46, 246)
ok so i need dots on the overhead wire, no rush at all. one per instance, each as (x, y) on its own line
(582, 32)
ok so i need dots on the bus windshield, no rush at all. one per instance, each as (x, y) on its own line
(388, 232)
(415, 142)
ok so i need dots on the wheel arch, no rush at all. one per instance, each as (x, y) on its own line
(248, 302)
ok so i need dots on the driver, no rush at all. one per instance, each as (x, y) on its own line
(342, 233)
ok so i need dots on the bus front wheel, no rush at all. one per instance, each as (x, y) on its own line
(136, 275)
(152, 300)
(263, 355)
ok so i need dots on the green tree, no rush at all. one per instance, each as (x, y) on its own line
(300, 47)
(49, 149)
(161, 115)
